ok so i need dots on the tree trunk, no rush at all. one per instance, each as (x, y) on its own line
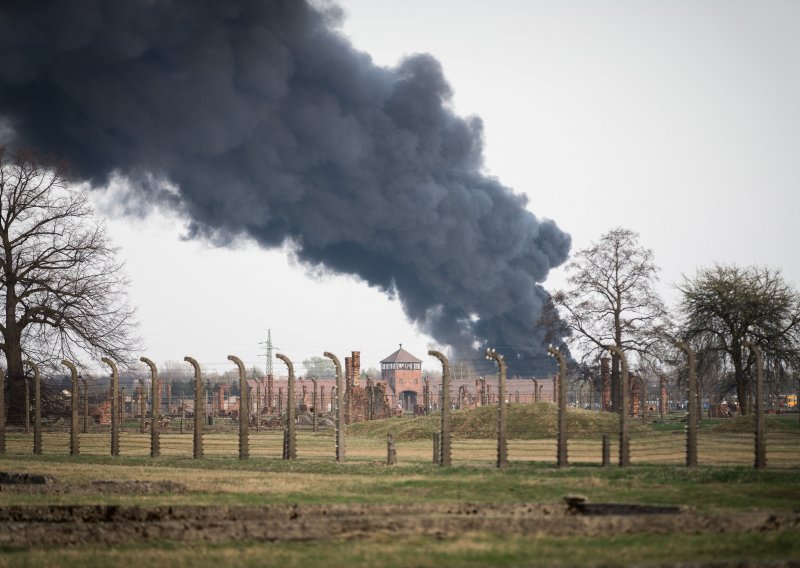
(741, 386)
(16, 380)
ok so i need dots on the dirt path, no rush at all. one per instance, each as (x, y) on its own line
(28, 526)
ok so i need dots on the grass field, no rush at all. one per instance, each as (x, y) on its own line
(725, 484)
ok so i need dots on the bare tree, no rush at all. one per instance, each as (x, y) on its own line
(610, 299)
(62, 288)
(723, 304)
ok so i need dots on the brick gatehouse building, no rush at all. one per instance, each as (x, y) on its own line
(403, 374)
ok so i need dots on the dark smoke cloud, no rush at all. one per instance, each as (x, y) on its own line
(272, 125)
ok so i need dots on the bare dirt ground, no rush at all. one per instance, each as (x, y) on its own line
(43, 525)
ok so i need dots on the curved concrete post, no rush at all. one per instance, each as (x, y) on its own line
(74, 443)
(85, 404)
(199, 409)
(761, 444)
(691, 421)
(244, 410)
(535, 390)
(142, 405)
(624, 396)
(115, 410)
(502, 443)
(340, 433)
(291, 442)
(155, 441)
(444, 430)
(314, 404)
(37, 402)
(561, 452)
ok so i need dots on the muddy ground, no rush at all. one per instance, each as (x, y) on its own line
(63, 525)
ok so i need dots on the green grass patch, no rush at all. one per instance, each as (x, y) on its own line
(524, 422)
(472, 549)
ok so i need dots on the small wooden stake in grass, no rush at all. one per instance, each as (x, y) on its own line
(606, 450)
(391, 452)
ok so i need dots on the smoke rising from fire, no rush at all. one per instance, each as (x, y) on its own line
(272, 125)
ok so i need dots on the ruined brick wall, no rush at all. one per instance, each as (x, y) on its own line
(356, 368)
(358, 400)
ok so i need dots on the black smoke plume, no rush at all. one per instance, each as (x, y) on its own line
(272, 125)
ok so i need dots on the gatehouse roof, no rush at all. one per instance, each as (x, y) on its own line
(401, 356)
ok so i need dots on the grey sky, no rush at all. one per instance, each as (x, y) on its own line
(677, 119)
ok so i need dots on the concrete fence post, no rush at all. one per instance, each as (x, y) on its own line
(37, 412)
(340, 425)
(199, 409)
(85, 405)
(244, 410)
(761, 430)
(502, 442)
(313, 404)
(115, 406)
(74, 443)
(561, 453)
(291, 442)
(691, 422)
(155, 442)
(444, 429)
(624, 395)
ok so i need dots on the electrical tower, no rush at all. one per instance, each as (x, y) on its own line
(270, 348)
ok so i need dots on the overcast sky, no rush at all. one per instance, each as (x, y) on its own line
(679, 120)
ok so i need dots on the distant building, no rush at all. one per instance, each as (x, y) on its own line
(403, 374)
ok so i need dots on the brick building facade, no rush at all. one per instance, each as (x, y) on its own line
(402, 372)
